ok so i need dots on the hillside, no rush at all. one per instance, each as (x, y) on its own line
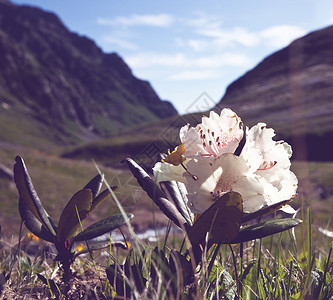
(59, 88)
(292, 91)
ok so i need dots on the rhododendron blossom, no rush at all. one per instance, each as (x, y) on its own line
(216, 135)
(210, 168)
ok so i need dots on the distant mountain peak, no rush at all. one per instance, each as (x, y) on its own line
(291, 90)
(63, 81)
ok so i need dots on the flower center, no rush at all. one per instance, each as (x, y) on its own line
(212, 142)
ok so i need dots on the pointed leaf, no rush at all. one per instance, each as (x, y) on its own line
(29, 197)
(222, 220)
(154, 192)
(69, 222)
(120, 282)
(100, 198)
(181, 267)
(136, 274)
(33, 224)
(95, 184)
(263, 229)
(172, 188)
(99, 228)
(264, 211)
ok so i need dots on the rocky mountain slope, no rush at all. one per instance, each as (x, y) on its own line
(59, 86)
(292, 91)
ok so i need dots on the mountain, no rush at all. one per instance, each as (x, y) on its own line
(292, 91)
(57, 87)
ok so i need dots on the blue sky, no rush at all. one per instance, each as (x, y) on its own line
(187, 48)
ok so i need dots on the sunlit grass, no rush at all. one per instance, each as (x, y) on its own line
(284, 266)
(296, 264)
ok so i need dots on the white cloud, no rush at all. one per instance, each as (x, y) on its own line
(273, 37)
(120, 42)
(149, 59)
(144, 60)
(221, 60)
(198, 45)
(280, 36)
(196, 75)
(237, 35)
(157, 20)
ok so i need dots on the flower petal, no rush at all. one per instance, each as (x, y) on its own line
(217, 134)
(168, 172)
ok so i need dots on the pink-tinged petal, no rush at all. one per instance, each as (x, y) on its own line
(217, 134)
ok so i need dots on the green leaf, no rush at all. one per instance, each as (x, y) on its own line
(181, 268)
(263, 229)
(126, 278)
(173, 189)
(69, 222)
(99, 228)
(154, 192)
(118, 280)
(222, 220)
(95, 184)
(34, 225)
(264, 211)
(100, 198)
(29, 200)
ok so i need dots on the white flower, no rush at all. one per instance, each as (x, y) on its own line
(270, 161)
(217, 134)
(228, 172)
(261, 174)
(168, 172)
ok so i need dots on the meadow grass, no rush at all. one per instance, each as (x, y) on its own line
(296, 264)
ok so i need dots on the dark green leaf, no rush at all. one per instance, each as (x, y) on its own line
(29, 197)
(100, 198)
(95, 184)
(34, 225)
(99, 228)
(264, 211)
(181, 268)
(172, 188)
(263, 229)
(247, 271)
(120, 276)
(159, 265)
(137, 276)
(69, 220)
(154, 192)
(222, 220)
(116, 277)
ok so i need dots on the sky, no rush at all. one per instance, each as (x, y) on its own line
(191, 50)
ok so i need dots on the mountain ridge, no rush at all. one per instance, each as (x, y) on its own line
(63, 81)
(291, 90)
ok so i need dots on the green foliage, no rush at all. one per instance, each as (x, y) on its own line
(80, 205)
(101, 227)
(264, 229)
(287, 265)
(222, 220)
